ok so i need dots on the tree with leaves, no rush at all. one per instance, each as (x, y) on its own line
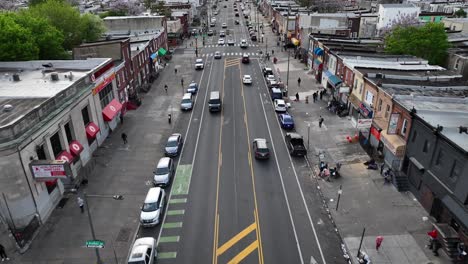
(429, 42)
(163, 10)
(28, 38)
(460, 13)
(68, 20)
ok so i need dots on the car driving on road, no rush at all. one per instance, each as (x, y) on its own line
(260, 148)
(244, 44)
(247, 79)
(245, 58)
(199, 65)
(221, 41)
(217, 55)
(231, 42)
(152, 209)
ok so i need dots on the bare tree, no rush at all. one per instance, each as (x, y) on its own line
(402, 20)
(129, 7)
(8, 5)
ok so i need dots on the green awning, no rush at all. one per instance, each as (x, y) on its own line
(161, 52)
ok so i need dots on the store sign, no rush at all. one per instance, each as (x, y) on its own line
(365, 110)
(393, 124)
(47, 170)
(364, 123)
(103, 82)
(344, 89)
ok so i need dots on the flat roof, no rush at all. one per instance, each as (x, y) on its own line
(35, 85)
(395, 63)
(450, 113)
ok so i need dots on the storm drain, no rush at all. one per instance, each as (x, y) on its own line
(124, 235)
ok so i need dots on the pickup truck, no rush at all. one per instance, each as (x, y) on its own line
(295, 144)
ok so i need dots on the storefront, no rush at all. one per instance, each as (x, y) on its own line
(332, 83)
(111, 112)
(394, 149)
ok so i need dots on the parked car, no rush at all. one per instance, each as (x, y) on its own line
(224, 25)
(192, 88)
(222, 34)
(245, 58)
(152, 209)
(247, 79)
(231, 42)
(295, 144)
(267, 71)
(174, 145)
(187, 102)
(236, 15)
(286, 121)
(164, 172)
(260, 148)
(280, 105)
(253, 37)
(143, 251)
(270, 78)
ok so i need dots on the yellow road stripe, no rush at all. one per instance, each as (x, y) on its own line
(236, 239)
(244, 253)
(252, 174)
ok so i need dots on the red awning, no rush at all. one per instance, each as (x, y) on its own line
(75, 147)
(91, 130)
(65, 156)
(111, 110)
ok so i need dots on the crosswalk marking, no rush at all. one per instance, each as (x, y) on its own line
(235, 45)
(231, 54)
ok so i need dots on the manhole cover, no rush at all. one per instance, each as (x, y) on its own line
(124, 235)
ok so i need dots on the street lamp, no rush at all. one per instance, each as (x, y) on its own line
(90, 220)
(308, 136)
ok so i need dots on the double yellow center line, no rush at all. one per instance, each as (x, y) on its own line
(257, 244)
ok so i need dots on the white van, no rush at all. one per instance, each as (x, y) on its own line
(143, 251)
(187, 102)
(244, 44)
(152, 209)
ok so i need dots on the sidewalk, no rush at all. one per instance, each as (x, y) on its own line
(366, 202)
(120, 169)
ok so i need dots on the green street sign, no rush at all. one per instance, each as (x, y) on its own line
(95, 244)
(205, 35)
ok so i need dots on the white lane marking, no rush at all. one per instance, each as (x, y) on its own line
(183, 147)
(282, 183)
(299, 185)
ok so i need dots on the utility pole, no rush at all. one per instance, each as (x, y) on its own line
(286, 44)
(196, 47)
(90, 221)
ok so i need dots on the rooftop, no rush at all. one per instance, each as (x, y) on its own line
(35, 85)
(402, 63)
(398, 5)
(450, 113)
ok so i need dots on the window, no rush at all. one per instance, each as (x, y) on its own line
(456, 64)
(403, 127)
(456, 170)
(387, 112)
(355, 84)
(361, 86)
(68, 132)
(415, 135)
(56, 144)
(380, 105)
(426, 146)
(106, 95)
(350, 23)
(118, 80)
(41, 155)
(85, 115)
(440, 158)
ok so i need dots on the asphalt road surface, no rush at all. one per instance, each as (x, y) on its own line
(224, 206)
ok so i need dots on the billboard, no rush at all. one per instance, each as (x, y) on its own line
(49, 170)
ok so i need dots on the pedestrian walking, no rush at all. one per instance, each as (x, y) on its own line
(382, 168)
(3, 254)
(315, 96)
(124, 138)
(272, 52)
(182, 82)
(81, 204)
(175, 70)
(121, 118)
(165, 88)
(321, 95)
(378, 242)
(297, 97)
(320, 121)
(299, 81)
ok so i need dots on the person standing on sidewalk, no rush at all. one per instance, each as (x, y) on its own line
(297, 97)
(320, 121)
(378, 242)
(175, 70)
(3, 254)
(165, 88)
(299, 82)
(81, 204)
(124, 138)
